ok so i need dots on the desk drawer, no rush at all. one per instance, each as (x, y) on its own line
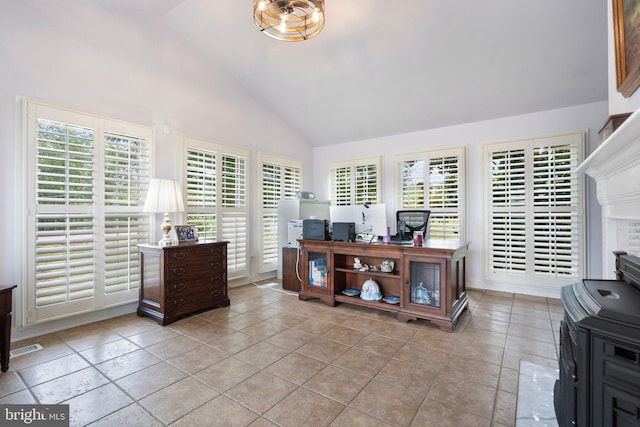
(183, 270)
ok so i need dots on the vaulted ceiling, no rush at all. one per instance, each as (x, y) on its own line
(384, 67)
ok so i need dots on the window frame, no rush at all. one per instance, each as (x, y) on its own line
(426, 156)
(354, 198)
(528, 209)
(286, 191)
(106, 237)
(228, 220)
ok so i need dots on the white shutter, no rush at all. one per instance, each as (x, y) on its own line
(234, 231)
(535, 214)
(126, 178)
(87, 180)
(355, 182)
(412, 184)
(434, 180)
(341, 186)
(214, 179)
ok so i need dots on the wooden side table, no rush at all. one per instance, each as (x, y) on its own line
(6, 304)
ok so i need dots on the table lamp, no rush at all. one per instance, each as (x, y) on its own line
(164, 196)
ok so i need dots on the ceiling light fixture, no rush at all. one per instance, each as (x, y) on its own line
(289, 20)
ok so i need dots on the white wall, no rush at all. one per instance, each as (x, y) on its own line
(474, 135)
(617, 103)
(83, 58)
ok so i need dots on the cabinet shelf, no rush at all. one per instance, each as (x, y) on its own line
(433, 274)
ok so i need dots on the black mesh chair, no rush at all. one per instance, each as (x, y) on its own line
(410, 221)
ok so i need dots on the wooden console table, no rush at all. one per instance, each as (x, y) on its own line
(428, 280)
(6, 305)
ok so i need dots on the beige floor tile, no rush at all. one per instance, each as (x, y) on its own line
(432, 414)
(381, 345)
(130, 324)
(226, 373)
(262, 354)
(173, 347)
(414, 377)
(349, 417)
(314, 326)
(505, 410)
(362, 362)
(296, 367)
(10, 382)
(423, 356)
(304, 408)
(197, 359)
(234, 342)
(69, 386)
(289, 320)
(508, 380)
(337, 384)
(22, 397)
(178, 399)
(127, 364)
(530, 346)
(476, 399)
(261, 391)
(220, 411)
(52, 369)
(323, 349)
(109, 351)
(389, 403)
(263, 329)
(96, 404)
(150, 380)
(345, 335)
(52, 349)
(473, 370)
(132, 415)
(153, 336)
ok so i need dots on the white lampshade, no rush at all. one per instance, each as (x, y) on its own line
(164, 196)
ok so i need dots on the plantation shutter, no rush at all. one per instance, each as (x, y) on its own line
(126, 177)
(438, 187)
(535, 219)
(508, 233)
(215, 194)
(201, 182)
(355, 182)
(281, 179)
(233, 192)
(87, 177)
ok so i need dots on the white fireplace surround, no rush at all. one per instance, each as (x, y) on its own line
(615, 166)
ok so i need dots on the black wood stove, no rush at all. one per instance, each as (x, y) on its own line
(599, 382)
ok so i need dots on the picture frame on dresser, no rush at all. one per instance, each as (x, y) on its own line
(626, 33)
(186, 233)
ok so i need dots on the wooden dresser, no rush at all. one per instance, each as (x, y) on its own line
(180, 280)
(6, 305)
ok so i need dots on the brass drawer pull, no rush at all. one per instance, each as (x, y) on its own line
(179, 286)
(215, 265)
(179, 302)
(216, 293)
(179, 271)
(216, 251)
(179, 255)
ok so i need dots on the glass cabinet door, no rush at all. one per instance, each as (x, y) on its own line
(318, 273)
(424, 283)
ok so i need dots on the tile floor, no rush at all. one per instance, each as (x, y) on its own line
(272, 360)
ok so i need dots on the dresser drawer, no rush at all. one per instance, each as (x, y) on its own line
(205, 298)
(188, 254)
(196, 284)
(180, 270)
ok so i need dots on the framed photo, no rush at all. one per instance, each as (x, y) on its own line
(186, 233)
(626, 33)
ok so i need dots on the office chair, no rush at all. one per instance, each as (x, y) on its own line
(410, 221)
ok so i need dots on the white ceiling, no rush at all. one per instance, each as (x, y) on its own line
(384, 67)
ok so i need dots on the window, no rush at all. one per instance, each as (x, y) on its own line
(216, 191)
(534, 205)
(281, 179)
(355, 182)
(434, 180)
(87, 178)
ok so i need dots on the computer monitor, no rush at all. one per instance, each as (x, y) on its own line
(409, 221)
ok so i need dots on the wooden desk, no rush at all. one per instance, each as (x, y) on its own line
(6, 304)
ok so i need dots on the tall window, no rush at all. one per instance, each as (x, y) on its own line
(281, 179)
(535, 210)
(355, 182)
(215, 183)
(86, 182)
(434, 180)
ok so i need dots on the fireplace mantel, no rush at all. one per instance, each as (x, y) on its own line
(615, 166)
